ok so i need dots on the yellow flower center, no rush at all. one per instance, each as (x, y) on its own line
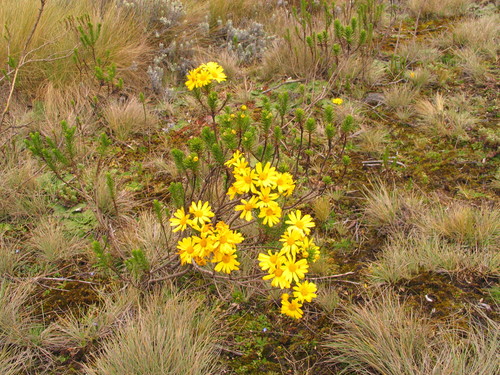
(290, 241)
(226, 258)
(278, 272)
(248, 207)
(273, 259)
(198, 213)
(292, 267)
(269, 212)
(247, 179)
(299, 224)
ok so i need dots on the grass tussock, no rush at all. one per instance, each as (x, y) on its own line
(398, 96)
(53, 242)
(465, 225)
(480, 34)
(404, 256)
(385, 336)
(387, 209)
(441, 116)
(121, 43)
(437, 8)
(169, 335)
(125, 119)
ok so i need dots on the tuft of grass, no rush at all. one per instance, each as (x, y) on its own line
(129, 118)
(481, 34)
(465, 225)
(322, 208)
(53, 243)
(13, 362)
(386, 209)
(407, 255)
(437, 8)
(328, 299)
(372, 140)
(15, 319)
(122, 41)
(398, 96)
(385, 336)
(171, 334)
(441, 117)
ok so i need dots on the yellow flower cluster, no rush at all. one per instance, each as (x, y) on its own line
(214, 243)
(204, 75)
(287, 267)
(264, 185)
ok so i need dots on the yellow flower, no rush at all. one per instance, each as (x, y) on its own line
(216, 71)
(225, 239)
(202, 212)
(196, 158)
(291, 240)
(227, 263)
(237, 155)
(284, 183)
(278, 280)
(337, 101)
(270, 261)
(192, 79)
(271, 214)
(243, 115)
(246, 208)
(266, 197)
(245, 181)
(243, 107)
(307, 246)
(291, 308)
(302, 223)
(305, 291)
(232, 192)
(203, 245)
(295, 271)
(186, 250)
(203, 78)
(180, 220)
(266, 175)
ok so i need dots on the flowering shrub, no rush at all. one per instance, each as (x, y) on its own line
(259, 191)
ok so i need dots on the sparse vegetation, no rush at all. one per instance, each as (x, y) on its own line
(249, 187)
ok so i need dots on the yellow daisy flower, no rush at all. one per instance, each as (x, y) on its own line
(186, 250)
(227, 263)
(246, 208)
(292, 239)
(295, 271)
(302, 223)
(245, 182)
(278, 279)
(291, 308)
(202, 212)
(305, 291)
(266, 198)
(271, 214)
(285, 183)
(337, 101)
(270, 261)
(266, 175)
(180, 220)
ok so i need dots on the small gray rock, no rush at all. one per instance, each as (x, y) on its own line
(374, 98)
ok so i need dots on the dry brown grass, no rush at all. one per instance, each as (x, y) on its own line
(385, 336)
(437, 8)
(170, 334)
(124, 41)
(129, 118)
